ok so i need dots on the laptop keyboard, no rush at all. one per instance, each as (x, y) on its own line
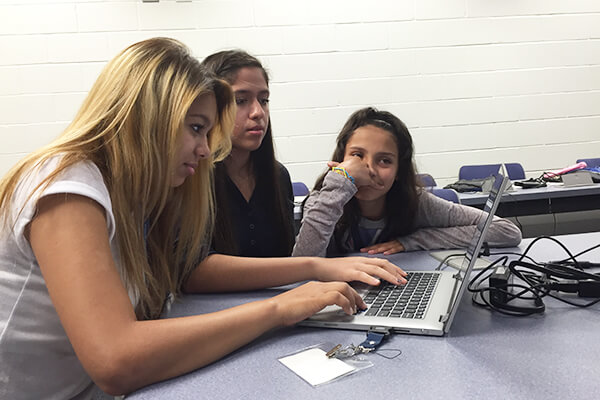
(403, 301)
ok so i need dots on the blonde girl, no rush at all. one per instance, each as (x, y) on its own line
(99, 227)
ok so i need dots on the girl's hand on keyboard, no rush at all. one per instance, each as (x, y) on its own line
(391, 247)
(300, 303)
(361, 269)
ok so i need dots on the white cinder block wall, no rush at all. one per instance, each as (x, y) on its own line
(476, 81)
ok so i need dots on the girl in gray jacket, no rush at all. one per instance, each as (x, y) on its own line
(369, 199)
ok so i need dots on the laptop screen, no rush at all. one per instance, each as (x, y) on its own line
(491, 204)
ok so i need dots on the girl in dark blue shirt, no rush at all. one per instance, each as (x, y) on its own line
(253, 191)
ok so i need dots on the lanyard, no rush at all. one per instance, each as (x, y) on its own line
(374, 338)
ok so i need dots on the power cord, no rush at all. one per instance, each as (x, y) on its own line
(443, 264)
(499, 295)
(534, 282)
(559, 279)
(485, 251)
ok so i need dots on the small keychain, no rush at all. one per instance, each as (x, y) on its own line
(348, 351)
(374, 339)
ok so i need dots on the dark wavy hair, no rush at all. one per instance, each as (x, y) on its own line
(226, 65)
(401, 201)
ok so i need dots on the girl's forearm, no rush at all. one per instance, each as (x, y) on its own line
(223, 273)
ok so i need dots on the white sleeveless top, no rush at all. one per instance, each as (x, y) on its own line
(37, 360)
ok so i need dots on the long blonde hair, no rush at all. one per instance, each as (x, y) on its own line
(128, 127)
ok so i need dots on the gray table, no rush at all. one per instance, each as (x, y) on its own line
(546, 200)
(486, 355)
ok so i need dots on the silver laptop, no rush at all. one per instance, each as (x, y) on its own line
(426, 305)
(577, 178)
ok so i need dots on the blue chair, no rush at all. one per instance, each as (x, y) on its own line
(299, 189)
(591, 162)
(515, 171)
(478, 171)
(427, 180)
(447, 194)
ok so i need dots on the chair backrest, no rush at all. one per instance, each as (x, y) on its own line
(299, 188)
(478, 171)
(515, 171)
(427, 180)
(447, 194)
(591, 162)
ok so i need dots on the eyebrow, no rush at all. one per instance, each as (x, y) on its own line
(201, 116)
(382, 153)
(204, 116)
(245, 91)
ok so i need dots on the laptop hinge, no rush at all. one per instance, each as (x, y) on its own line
(444, 318)
(457, 276)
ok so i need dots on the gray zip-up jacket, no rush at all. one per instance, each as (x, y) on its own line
(440, 224)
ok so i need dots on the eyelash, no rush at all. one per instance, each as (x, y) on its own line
(197, 127)
(240, 101)
(384, 160)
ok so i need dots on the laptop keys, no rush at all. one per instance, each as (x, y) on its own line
(408, 301)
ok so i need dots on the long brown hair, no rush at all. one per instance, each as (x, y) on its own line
(226, 65)
(401, 201)
(128, 127)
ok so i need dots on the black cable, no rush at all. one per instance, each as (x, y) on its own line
(557, 270)
(572, 303)
(443, 262)
(479, 294)
(507, 309)
(571, 256)
(519, 224)
(583, 252)
(540, 280)
(513, 253)
(549, 238)
(484, 270)
(483, 252)
(534, 280)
